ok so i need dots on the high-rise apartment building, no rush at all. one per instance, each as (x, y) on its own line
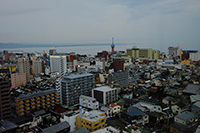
(105, 94)
(58, 64)
(24, 67)
(75, 85)
(17, 79)
(38, 67)
(44, 99)
(5, 104)
(174, 51)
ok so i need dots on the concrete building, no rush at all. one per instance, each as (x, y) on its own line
(71, 119)
(38, 67)
(45, 99)
(194, 56)
(92, 120)
(5, 102)
(88, 102)
(120, 77)
(58, 64)
(105, 94)
(17, 79)
(75, 85)
(52, 51)
(24, 67)
(156, 54)
(173, 51)
(145, 54)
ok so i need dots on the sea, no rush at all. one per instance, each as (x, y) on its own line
(78, 49)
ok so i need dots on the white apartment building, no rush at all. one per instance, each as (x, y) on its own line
(37, 67)
(88, 102)
(58, 64)
(24, 67)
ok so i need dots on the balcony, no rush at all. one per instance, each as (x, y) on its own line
(48, 106)
(27, 112)
(53, 105)
(48, 102)
(33, 103)
(48, 99)
(28, 108)
(38, 98)
(21, 106)
(52, 94)
(27, 104)
(27, 101)
(38, 102)
(21, 110)
(42, 97)
(38, 105)
(53, 101)
(48, 96)
(52, 98)
(21, 102)
(33, 107)
(32, 99)
(43, 101)
(57, 96)
(21, 114)
(43, 104)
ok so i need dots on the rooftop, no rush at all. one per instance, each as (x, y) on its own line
(35, 94)
(6, 125)
(77, 76)
(87, 97)
(104, 88)
(56, 128)
(92, 116)
(185, 115)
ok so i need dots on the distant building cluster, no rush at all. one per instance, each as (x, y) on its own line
(133, 91)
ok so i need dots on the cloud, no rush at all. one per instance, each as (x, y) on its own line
(147, 23)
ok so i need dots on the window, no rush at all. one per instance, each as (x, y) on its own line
(96, 124)
(102, 120)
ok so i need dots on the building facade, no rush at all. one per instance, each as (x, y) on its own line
(42, 99)
(5, 103)
(24, 67)
(92, 120)
(38, 67)
(120, 77)
(75, 85)
(105, 94)
(17, 79)
(88, 102)
(58, 64)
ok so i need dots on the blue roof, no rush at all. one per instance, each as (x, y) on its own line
(135, 111)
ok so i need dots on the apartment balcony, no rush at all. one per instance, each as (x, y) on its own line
(28, 108)
(57, 93)
(48, 102)
(57, 100)
(27, 104)
(21, 102)
(57, 96)
(38, 105)
(52, 94)
(21, 110)
(48, 96)
(33, 107)
(21, 106)
(32, 100)
(52, 98)
(42, 97)
(27, 112)
(43, 104)
(21, 114)
(27, 101)
(48, 106)
(52, 101)
(38, 98)
(43, 100)
(38, 102)
(52, 104)
(48, 99)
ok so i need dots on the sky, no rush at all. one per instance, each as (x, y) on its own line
(153, 24)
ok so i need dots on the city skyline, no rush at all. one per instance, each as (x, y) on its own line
(150, 24)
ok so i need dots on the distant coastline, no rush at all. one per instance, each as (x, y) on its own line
(21, 45)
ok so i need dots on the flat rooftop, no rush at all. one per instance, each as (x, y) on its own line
(92, 116)
(104, 88)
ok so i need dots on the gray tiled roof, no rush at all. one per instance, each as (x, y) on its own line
(56, 128)
(185, 115)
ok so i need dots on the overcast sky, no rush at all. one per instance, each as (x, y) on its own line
(153, 24)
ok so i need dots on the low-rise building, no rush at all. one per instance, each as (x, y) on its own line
(115, 108)
(88, 102)
(196, 108)
(71, 119)
(92, 120)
